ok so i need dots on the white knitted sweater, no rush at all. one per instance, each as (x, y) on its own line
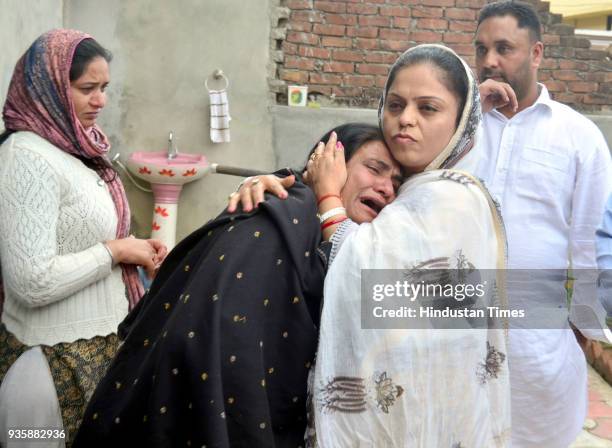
(55, 212)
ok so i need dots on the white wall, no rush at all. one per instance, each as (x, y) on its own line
(163, 52)
(22, 21)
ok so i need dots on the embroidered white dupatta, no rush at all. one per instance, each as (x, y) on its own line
(415, 388)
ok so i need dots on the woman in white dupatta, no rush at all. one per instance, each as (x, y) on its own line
(402, 387)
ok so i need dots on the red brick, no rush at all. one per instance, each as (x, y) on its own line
(549, 63)
(463, 49)
(374, 21)
(329, 30)
(315, 88)
(555, 86)
(470, 3)
(299, 63)
(359, 81)
(341, 19)
(394, 34)
(566, 98)
(395, 11)
(302, 38)
(603, 428)
(402, 22)
(336, 42)
(379, 57)
(380, 81)
(544, 76)
(425, 37)
(300, 26)
(367, 44)
(432, 24)
(330, 6)
(299, 4)
(595, 76)
(395, 45)
(599, 409)
(346, 91)
(596, 98)
(348, 55)
(460, 13)
(564, 64)
(463, 26)
(361, 31)
(319, 78)
(361, 9)
(566, 75)
(294, 76)
(583, 87)
(372, 69)
(339, 67)
(591, 54)
(458, 38)
(551, 39)
(307, 16)
(438, 2)
(314, 52)
(289, 48)
(425, 11)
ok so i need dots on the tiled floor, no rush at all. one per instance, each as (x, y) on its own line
(597, 430)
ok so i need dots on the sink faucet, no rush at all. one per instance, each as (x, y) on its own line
(172, 151)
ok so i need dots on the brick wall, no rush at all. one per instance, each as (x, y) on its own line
(342, 49)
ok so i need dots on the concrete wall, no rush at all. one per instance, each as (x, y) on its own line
(296, 130)
(163, 52)
(19, 26)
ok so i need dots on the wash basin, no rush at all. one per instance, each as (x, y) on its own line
(156, 168)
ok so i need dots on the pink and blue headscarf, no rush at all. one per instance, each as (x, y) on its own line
(39, 100)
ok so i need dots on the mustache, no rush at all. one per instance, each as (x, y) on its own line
(486, 74)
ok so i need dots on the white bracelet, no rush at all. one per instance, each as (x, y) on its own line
(333, 212)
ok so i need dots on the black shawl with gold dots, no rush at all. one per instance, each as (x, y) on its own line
(217, 354)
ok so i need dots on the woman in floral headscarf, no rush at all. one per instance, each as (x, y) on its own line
(403, 386)
(67, 259)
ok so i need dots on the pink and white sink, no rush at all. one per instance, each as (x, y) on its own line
(167, 177)
(156, 168)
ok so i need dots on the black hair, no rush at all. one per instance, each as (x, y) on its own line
(353, 136)
(523, 12)
(87, 50)
(450, 68)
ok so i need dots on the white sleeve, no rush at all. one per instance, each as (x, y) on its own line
(592, 188)
(30, 202)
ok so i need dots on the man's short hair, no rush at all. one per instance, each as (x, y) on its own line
(524, 14)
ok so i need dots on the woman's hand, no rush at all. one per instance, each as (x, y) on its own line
(496, 95)
(146, 253)
(326, 169)
(251, 192)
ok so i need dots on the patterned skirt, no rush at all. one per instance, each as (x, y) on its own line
(76, 368)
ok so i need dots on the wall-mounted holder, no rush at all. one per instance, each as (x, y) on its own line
(217, 75)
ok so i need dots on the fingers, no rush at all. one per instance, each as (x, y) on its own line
(513, 101)
(246, 199)
(233, 200)
(330, 147)
(288, 181)
(339, 153)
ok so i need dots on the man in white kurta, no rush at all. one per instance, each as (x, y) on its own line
(550, 170)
